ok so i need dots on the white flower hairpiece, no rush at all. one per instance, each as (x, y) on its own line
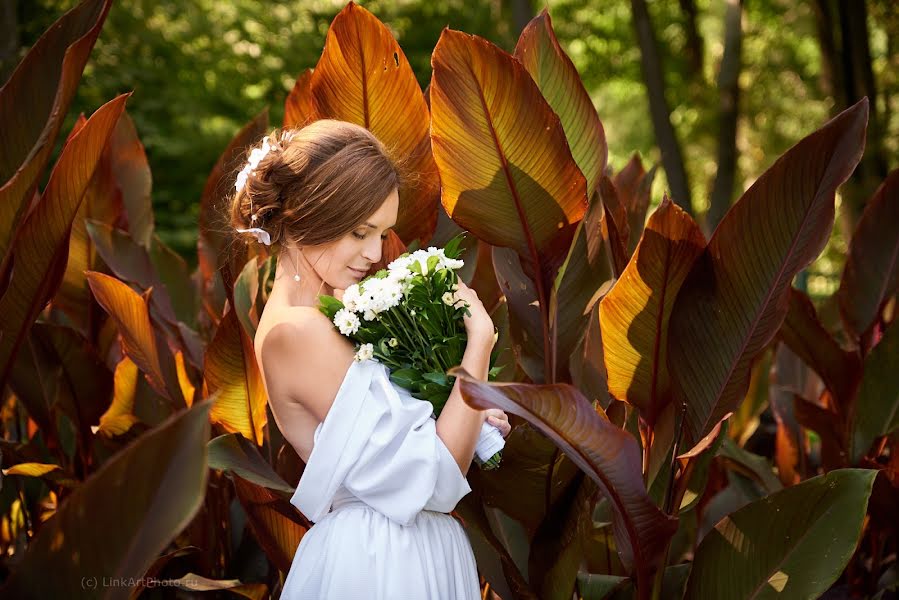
(256, 155)
(261, 234)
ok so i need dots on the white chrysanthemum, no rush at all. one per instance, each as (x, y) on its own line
(393, 342)
(365, 352)
(351, 297)
(369, 315)
(448, 298)
(392, 293)
(347, 321)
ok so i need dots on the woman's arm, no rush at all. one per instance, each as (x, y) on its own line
(459, 425)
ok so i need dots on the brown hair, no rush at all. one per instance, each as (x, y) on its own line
(317, 184)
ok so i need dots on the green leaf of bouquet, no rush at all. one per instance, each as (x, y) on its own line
(329, 305)
(438, 378)
(453, 248)
(791, 544)
(405, 377)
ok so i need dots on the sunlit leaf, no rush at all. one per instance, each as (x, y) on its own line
(539, 52)
(298, 107)
(634, 314)
(363, 77)
(231, 371)
(506, 172)
(132, 316)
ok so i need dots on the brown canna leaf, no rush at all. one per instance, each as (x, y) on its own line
(584, 277)
(609, 455)
(275, 523)
(117, 522)
(871, 274)
(804, 334)
(736, 296)
(539, 52)
(634, 185)
(44, 82)
(42, 241)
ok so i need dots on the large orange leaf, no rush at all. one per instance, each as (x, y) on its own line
(736, 295)
(42, 241)
(115, 525)
(363, 77)
(506, 171)
(539, 52)
(102, 202)
(34, 102)
(634, 315)
(871, 274)
(131, 313)
(607, 454)
(232, 373)
(298, 107)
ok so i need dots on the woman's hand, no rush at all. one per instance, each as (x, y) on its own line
(478, 324)
(499, 419)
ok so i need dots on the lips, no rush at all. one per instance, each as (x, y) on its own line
(359, 272)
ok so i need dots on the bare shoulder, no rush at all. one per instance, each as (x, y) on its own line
(304, 358)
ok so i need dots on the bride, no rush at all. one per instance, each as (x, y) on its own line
(381, 475)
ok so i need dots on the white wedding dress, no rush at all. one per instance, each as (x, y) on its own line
(378, 486)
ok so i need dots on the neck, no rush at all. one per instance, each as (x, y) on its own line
(304, 292)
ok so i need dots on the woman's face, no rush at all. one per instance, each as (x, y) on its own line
(342, 263)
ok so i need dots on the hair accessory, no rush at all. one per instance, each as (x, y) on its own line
(256, 155)
(261, 234)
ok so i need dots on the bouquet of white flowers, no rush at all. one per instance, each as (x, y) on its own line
(405, 317)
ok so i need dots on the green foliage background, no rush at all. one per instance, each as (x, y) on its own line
(200, 69)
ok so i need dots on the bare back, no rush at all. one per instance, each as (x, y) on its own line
(303, 360)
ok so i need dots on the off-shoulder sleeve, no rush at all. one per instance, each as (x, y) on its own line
(382, 445)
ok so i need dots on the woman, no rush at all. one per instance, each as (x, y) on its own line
(381, 476)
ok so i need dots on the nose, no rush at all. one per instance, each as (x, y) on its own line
(372, 250)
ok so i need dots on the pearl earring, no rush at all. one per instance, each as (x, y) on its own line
(296, 271)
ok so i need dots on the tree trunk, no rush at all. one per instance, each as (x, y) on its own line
(858, 81)
(672, 159)
(9, 39)
(729, 96)
(694, 40)
(522, 13)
